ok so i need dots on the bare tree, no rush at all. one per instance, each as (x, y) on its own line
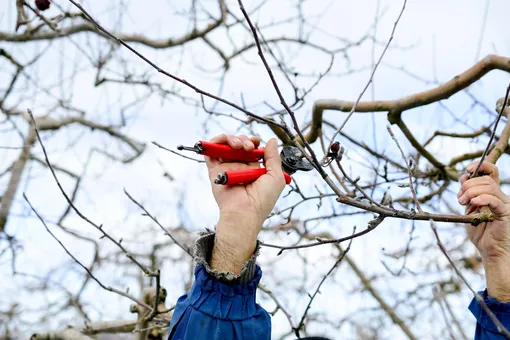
(53, 134)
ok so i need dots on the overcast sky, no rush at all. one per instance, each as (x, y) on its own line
(435, 40)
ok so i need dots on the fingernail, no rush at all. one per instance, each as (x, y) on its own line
(459, 194)
(248, 144)
(462, 200)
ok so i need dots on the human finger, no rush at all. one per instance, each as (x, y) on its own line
(272, 161)
(463, 178)
(255, 140)
(476, 191)
(232, 141)
(477, 181)
(486, 168)
(220, 139)
(247, 143)
(213, 162)
(496, 205)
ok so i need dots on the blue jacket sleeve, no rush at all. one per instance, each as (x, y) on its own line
(217, 310)
(485, 328)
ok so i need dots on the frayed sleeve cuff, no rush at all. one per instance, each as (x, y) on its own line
(203, 251)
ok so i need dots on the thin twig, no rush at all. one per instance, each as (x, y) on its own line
(279, 306)
(51, 25)
(162, 326)
(78, 212)
(409, 171)
(154, 311)
(317, 291)
(482, 31)
(331, 167)
(110, 289)
(390, 311)
(354, 182)
(405, 255)
(371, 226)
(176, 153)
(437, 297)
(311, 157)
(146, 213)
(452, 315)
(313, 160)
(475, 173)
(353, 109)
(395, 108)
(168, 74)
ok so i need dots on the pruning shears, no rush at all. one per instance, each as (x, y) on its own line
(292, 161)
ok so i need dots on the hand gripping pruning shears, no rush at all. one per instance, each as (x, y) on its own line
(292, 161)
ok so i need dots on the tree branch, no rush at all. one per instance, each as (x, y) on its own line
(16, 174)
(394, 108)
(131, 38)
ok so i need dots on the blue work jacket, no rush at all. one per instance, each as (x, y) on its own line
(218, 311)
(485, 328)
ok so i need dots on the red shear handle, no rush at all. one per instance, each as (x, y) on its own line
(226, 152)
(234, 177)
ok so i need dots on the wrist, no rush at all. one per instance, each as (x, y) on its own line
(235, 243)
(497, 272)
(240, 230)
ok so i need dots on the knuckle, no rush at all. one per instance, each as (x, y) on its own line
(493, 189)
(494, 186)
(484, 197)
(222, 136)
(464, 186)
(468, 185)
(282, 183)
(280, 178)
(467, 193)
(470, 193)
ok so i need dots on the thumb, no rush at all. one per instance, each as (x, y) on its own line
(272, 160)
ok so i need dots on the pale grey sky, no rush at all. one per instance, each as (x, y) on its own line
(435, 40)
